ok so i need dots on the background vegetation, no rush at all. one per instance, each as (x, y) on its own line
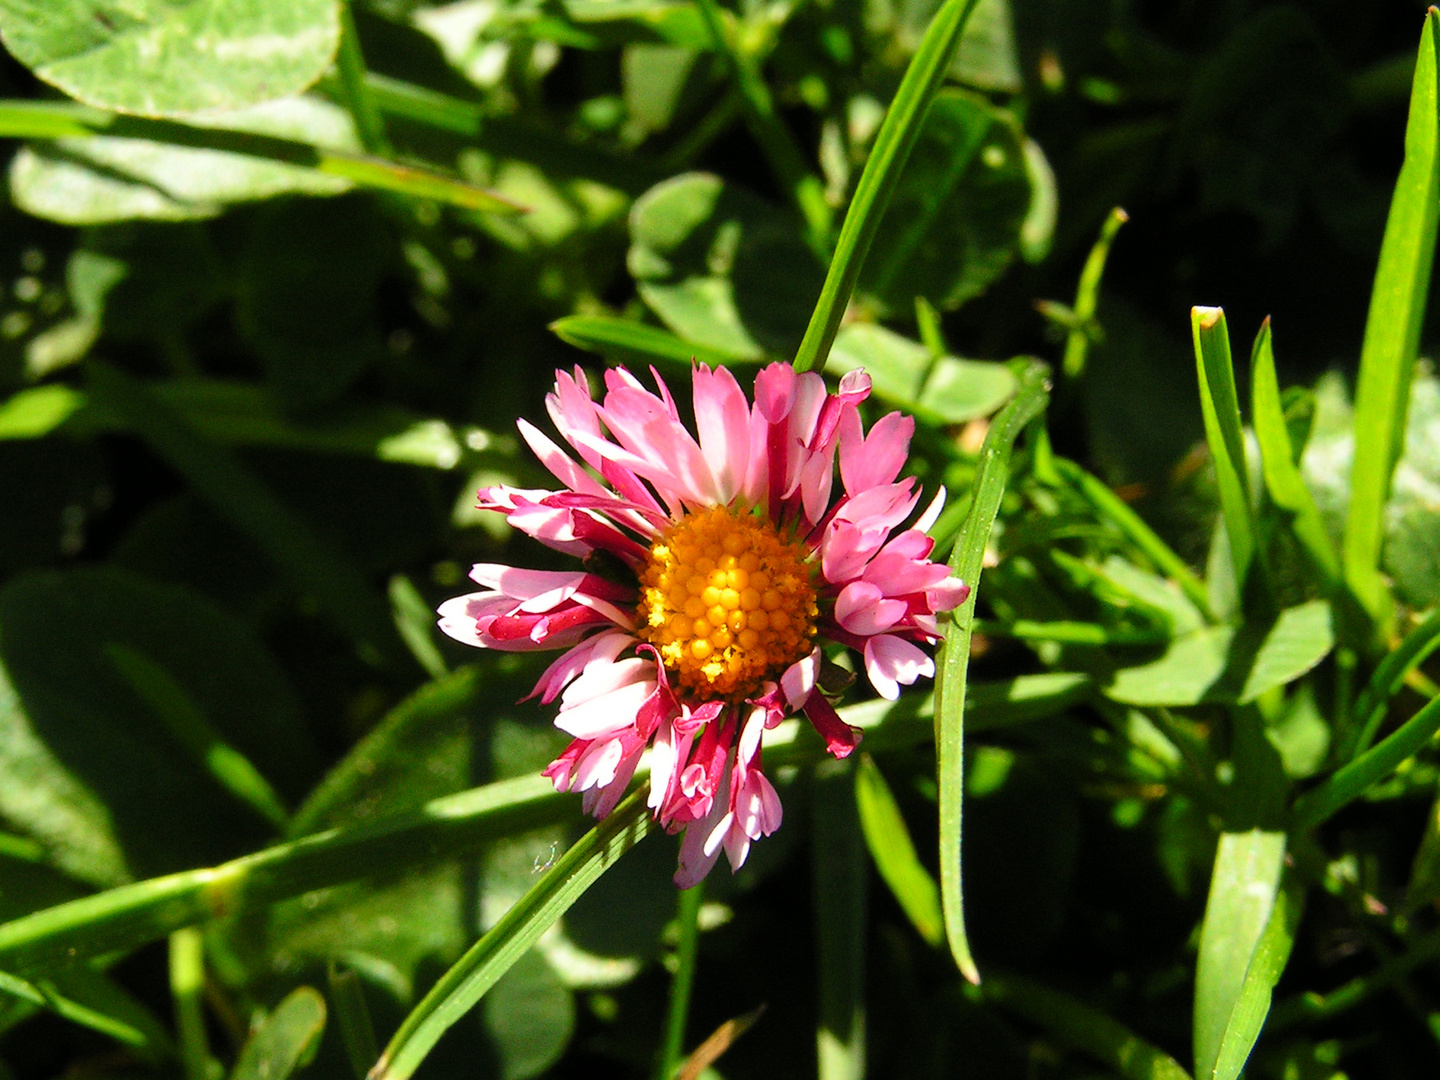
(279, 276)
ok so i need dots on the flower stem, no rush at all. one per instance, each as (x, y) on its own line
(678, 1011)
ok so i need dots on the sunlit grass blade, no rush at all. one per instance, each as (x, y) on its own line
(133, 915)
(1282, 475)
(840, 884)
(888, 839)
(1069, 633)
(1075, 1024)
(415, 622)
(285, 1040)
(1243, 887)
(1252, 1005)
(1087, 297)
(1352, 781)
(1110, 507)
(1389, 675)
(624, 340)
(682, 980)
(187, 988)
(893, 143)
(1392, 330)
(60, 120)
(239, 496)
(992, 472)
(352, 1016)
(518, 929)
(1226, 439)
(179, 713)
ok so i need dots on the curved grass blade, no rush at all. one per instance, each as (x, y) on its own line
(1392, 330)
(894, 852)
(893, 143)
(92, 999)
(1243, 891)
(489, 958)
(61, 120)
(1277, 459)
(350, 65)
(132, 915)
(1084, 1028)
(353, 1018)
(992, 471)
(1374, 701)
(1349, 783)
(187, 986)
(1221, 408)
(1252, 1005)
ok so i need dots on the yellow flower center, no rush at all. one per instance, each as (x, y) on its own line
(727, 602)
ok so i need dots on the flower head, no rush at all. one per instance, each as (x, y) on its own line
(734, 557)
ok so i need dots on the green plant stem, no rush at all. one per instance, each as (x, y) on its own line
(1311, 1007)
(350, 62)
(893, 143)
(805, 187)
(1087, 297)
(187, 986)
(1374, 701)
(1349, 783)
(677, 1010)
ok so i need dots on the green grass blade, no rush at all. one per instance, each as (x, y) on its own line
(1110, 507)
(888, 839)
(893, 143)
(1277, 459)
(627, 341)
(1243, 887)
(1310, 1007)
(840, 885)
(187, 987)
(132, 915)
(992, 472)
(1087, 297)
(1226, 439)
(59, 120)
(489, 958)
(352, 1016)
(415, 622)
(1374, 701)
(89, 998)
(682, 982)
(1349, 783)
(1272, 953)
(285, 1040)
(350, 62)
(1089, 1030)
(38, 410)
(179, 713)
(238, 495)
(1392, 330)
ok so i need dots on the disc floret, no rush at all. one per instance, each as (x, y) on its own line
(727, 601)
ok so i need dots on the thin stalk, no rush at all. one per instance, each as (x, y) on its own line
(350, 62)
(677, 1011)
(1087, 297)
(1068, 633)
(187, 987)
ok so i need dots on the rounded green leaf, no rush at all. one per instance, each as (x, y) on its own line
(161, 58)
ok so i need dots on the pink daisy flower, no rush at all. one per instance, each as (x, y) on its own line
(714, 567)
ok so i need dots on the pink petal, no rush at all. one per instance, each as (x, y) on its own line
(722, 419)
(891, 660)
(799, 679)
(840, 738)
(874, 460)
(862, 609)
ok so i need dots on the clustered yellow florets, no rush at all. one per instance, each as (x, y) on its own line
(727, 602)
